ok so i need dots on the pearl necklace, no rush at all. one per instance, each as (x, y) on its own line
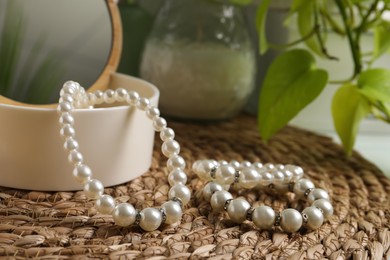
(283, 178)
(73, 96)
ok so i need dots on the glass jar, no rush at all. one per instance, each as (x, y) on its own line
(200, 55)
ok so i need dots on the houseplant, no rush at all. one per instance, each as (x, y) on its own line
(293, 80)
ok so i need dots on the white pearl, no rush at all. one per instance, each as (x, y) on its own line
(280, 167)
(203, 168)
(170, 147)
(82, 173)
(249, 178)
(296, 170)
(177, 176)
(325, 206)
(173, 212)
(257, 165)
(218, 200)
(64, 107)
(109, 96)
(238, 209)
(159, 123)
(263, 217)
(105, 204)
(66, 98)
(91, 99)
(317, 194)
(278, 177)
(209, 189)
(124, 214)
(71, 144)
(166, 134)
(70, 85)
(287, 175)
(93, 189)
(244, 164)
(235, 164)
(84, 102)
(315, 218)
(266, 178)
(151, 219)
(75, 157)
(223, 162)
(121, 94)
(143, 104)
(99, 97)
(152, 112)
(68, 90)
(269, 166)
(291, 220)
(301, 186)
(133, 98)
(180, 191)
(68, 131)
(225, 174)
(66, 119)
(176, 161)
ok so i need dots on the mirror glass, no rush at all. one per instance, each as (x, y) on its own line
(44, 43)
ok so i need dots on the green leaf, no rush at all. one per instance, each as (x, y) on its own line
(381, 39)
(349, 107)
(375, 84)
(306, 24)
(241, 2)
(261, 17)
(291, 83)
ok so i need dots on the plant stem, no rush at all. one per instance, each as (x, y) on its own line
(335, 27)
(353, 43)
(320, 40)
(286, 45)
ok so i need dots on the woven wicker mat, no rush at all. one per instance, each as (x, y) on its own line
(65, 225)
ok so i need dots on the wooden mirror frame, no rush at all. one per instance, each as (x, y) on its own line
(102, 82)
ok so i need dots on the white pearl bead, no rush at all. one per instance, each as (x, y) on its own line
(64, 107)
(317, 194)
(266, 178)
(66, 98)
(235, 164)
(176, 161)
(218, 200)
(203, 168)
(75, 157)
(296, 170)
(166, 134)
(99, 97)
(287, 175)
(159, 124)
(180, 191)
(223, 162)
(278, 177)
(66, 119)
(170, 147)
(67, 131)
(177, 176)
(315, 218)
(280, 167)
(301, 186)
(291, 220)
(71, 144)
(124, 214)
(269, 166)
(257, 165)
(93, 189)
(143, 104)
(244, 164)
(225, 174)
(151, 219)
(109, 96)
(238, 209)
(249, 178)
(91, 99)
(68, 90)
(325, 206)
(152, 112)
(133, 98)
(173, 212)
(210, 189)
(121, 94)
(105, 204)
(82, 173)
(263, 217)
(70, 85)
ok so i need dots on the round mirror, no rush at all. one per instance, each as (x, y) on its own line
(44, 43)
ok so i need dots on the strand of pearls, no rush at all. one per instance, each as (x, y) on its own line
(73, 96)
(224, 174)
